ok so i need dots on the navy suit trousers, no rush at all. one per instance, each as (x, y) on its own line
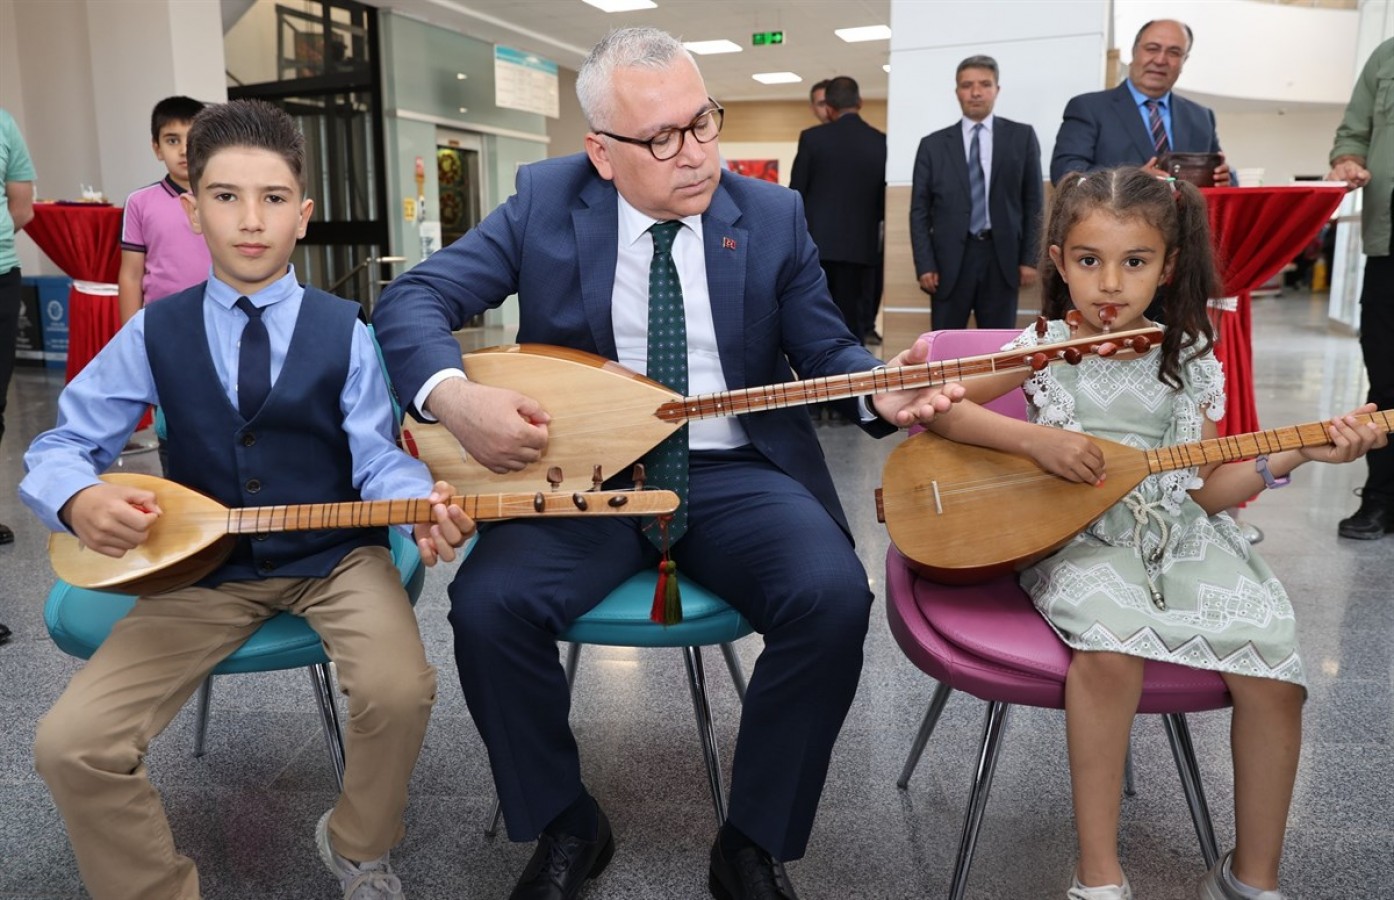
(759, 540)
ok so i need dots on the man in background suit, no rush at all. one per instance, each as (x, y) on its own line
(818, 102)
(975, 208)
(644, 251)
(1140, 120)
(840, 170)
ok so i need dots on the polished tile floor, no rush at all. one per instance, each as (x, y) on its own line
(245, 811)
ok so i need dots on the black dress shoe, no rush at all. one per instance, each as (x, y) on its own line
(1370, 522)
(6, 535)
(748, 875)
(563, 863)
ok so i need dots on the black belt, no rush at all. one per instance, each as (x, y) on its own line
(984, 235)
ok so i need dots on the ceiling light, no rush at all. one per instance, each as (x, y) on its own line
(705, 47)
(865, 33)
(776, 77)
(614, 6)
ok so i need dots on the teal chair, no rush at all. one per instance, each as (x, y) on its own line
(79, 620)
(622, 620)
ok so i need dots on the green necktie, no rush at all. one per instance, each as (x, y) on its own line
(666, 464)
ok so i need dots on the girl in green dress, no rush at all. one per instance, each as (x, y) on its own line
(1164, 574)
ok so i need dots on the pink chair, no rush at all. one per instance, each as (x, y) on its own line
(988, 641)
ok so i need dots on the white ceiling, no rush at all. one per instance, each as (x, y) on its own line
(565, 30)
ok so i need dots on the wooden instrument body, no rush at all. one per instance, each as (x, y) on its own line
(963, 514)
(195, 534)
(602, 414)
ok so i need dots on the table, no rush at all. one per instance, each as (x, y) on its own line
(1256, 231)
(84, 240)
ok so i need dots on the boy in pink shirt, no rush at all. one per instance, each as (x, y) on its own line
(160, 254)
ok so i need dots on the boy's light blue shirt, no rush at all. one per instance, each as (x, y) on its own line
(100, 408)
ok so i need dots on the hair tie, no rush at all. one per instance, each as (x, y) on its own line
(1175, 191)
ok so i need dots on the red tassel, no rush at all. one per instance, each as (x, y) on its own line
(667, 603)
(660, 594)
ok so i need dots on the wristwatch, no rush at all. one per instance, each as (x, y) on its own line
(1270, 481)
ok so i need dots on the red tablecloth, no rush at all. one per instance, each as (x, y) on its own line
(84, 240)
(1256, 231)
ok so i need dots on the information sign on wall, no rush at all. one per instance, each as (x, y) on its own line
(525, 81)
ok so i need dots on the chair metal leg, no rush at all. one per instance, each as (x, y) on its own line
(329, 719)
(697, 682)
(573, 660)
(733, 665)
(993, 725)
(1179, 734)
(205, 699)
(931, 718)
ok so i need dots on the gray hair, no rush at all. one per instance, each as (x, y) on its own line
(623, 48)
(979, 62)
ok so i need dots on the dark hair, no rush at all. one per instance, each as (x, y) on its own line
(245, 123)
(1177, 210)
(1190, 36)
(173, 109)
(978, 62)
(818, 86)
(842, 93)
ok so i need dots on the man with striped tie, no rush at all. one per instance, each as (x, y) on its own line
(1141, 120)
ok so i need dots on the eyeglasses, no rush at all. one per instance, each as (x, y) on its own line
(668, 142)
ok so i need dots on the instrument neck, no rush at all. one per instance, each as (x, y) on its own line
(1247, 446)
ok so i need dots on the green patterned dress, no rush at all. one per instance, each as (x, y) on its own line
(1155, 576)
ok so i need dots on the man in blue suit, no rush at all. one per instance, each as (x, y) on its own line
(1140, 120)
(975, 208)
(592, 244)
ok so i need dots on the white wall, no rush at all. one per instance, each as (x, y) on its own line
(85, 76)
(1261, 51)
(1047, 53)
(1285, 146)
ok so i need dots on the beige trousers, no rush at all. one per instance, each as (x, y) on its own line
(91, 746)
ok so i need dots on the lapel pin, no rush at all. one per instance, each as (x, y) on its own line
(728, 243)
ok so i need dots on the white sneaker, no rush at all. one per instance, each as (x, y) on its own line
(1216, 885)
(1078, 891)
(371, 880)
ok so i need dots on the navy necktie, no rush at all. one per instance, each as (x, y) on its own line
(666, 464)
(253, 362)
(1157, 127)
(977, 185)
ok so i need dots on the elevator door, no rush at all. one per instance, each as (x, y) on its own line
(458, 183)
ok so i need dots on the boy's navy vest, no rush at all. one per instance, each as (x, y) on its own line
(293, 450)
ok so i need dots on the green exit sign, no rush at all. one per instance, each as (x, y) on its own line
(763, 38)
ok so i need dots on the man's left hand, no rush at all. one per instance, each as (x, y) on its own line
(1028, 275)
(1222, 178)
(905, 408)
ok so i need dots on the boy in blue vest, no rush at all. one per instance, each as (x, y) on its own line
(274, 395)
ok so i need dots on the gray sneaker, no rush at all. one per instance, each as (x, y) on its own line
(1218, 884)
(372, 880)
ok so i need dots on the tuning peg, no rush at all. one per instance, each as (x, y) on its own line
(1072, 355)
(638, 476)
(554, 477)
(596, 479)
(1038, 361)
(1074, 318)
(580, 500)
(1140, 343)
(1107, 313)
(1042, 324)
(539, 502)
(1106, 349)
